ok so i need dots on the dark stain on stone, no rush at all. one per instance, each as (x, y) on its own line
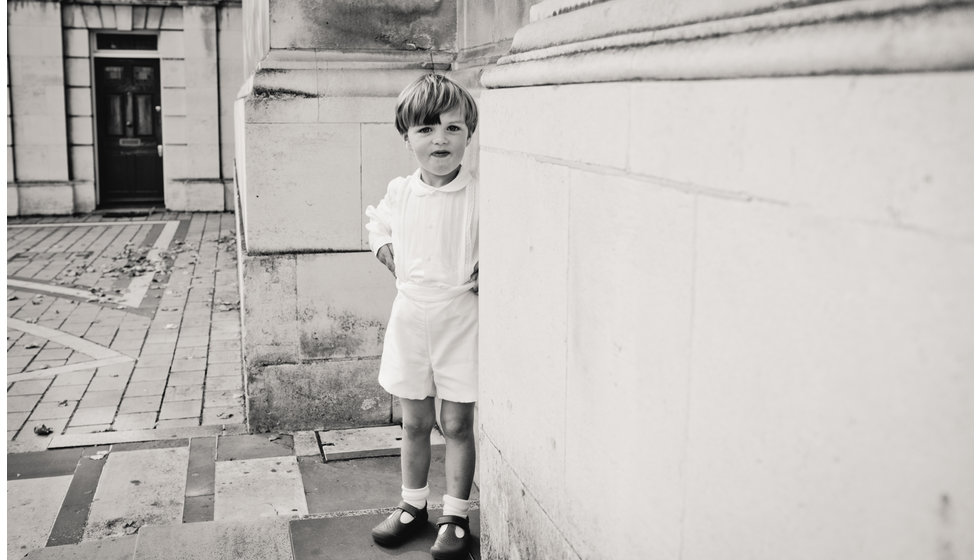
(341, 335)
(397, 24)
(260, 93)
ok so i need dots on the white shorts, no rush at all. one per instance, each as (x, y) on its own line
(430, 349)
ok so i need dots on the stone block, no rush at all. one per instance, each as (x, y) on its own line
(81, 130)
(175, 159)
(37, 13)
(33, 40)
(139, 17)
(373, 26)
(525, 120)
(358, 109)
(899, 143)
(199, 17)
(811, 334)
(30, 72)
(202, 102)
(108, 14)
(328, 394)
(41, 163)
(13, 201)
(524, 228)
(172, 74)
(174, 129)
(258, 488)
(124, 18)
(303, 182)
(475, 28)
(265, 539)
(84, 196)
(83, 163)
(384, 157)
(200, 42)
(173, 101)
(80, 102)
(170, 44)
(347, 82)
(200, 72)
(154, 16)
(343, 302)
(512, 523)
(202, 160)
(93, 17)
(195, 195)
(78, 72)
(269, 317)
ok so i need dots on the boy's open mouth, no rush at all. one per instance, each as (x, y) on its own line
(440, 153)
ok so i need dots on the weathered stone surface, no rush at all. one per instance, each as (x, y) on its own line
(316, 395)
(263, 539)
(37, 198)
(271, 331)
(32, 504)
(388, 24)
(343, 304)
(251, 488)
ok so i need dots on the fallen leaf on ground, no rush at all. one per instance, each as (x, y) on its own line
(31, 346)
(273, 438)
(170, 326)
(225, 415)
(12, 298)
(42, 430)
(63, 403)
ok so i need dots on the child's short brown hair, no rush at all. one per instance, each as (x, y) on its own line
(431, 95)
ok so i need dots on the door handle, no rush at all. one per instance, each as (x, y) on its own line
(160, 150)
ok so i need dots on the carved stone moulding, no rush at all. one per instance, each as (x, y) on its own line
(619, 40)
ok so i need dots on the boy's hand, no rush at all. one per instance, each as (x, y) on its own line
(387, 256)
(475, 277)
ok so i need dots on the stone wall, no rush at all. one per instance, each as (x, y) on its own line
(728, 318)
(52, 148)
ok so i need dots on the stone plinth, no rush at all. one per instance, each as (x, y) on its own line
(316, 144)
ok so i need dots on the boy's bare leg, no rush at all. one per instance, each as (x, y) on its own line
(457, 427)
(418, 418)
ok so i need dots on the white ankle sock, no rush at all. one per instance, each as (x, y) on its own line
(416, 498)
(455, 506)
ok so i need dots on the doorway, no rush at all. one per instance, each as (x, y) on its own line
(128, 123)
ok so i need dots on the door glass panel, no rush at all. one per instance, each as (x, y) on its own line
(143, 73)
(144, 115)
(113, 72)
(115, 121)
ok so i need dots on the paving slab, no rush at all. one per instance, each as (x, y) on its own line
(266, 539)
(255, 488)
(32, 508)
(254, 446)
(120, 548)
(349, 538)
(41, 464)
(377, 441)
(138, 488)
(369, 483)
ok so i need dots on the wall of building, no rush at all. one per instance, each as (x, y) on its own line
(50, 55)
(728, 318)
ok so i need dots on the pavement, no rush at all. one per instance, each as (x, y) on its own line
(126, 433)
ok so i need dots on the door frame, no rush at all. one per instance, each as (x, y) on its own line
(95, 53)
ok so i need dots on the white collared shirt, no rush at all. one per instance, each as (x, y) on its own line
(433, 232)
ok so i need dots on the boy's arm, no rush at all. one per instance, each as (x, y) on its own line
(379, 231)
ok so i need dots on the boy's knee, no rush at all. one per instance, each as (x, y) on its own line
(457, 428)
(418, 426)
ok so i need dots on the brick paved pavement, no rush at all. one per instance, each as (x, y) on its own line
(121, 324)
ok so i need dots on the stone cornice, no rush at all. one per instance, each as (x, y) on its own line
(155, 3)
(633, 40)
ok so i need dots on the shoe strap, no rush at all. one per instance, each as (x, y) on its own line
(454, 520)
(407, 507)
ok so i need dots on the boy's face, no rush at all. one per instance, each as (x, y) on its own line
(439, 147)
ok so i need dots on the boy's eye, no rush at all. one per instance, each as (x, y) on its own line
(454, 128)
(425, 129)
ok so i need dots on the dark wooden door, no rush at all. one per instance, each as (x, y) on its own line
(127, 94)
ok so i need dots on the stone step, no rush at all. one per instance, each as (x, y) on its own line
(259, 539)
(120, 548)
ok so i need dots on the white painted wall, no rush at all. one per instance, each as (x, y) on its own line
(728, 319)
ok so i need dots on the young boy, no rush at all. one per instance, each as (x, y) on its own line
(425, 232)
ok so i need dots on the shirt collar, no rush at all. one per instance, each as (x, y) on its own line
(459, 183)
